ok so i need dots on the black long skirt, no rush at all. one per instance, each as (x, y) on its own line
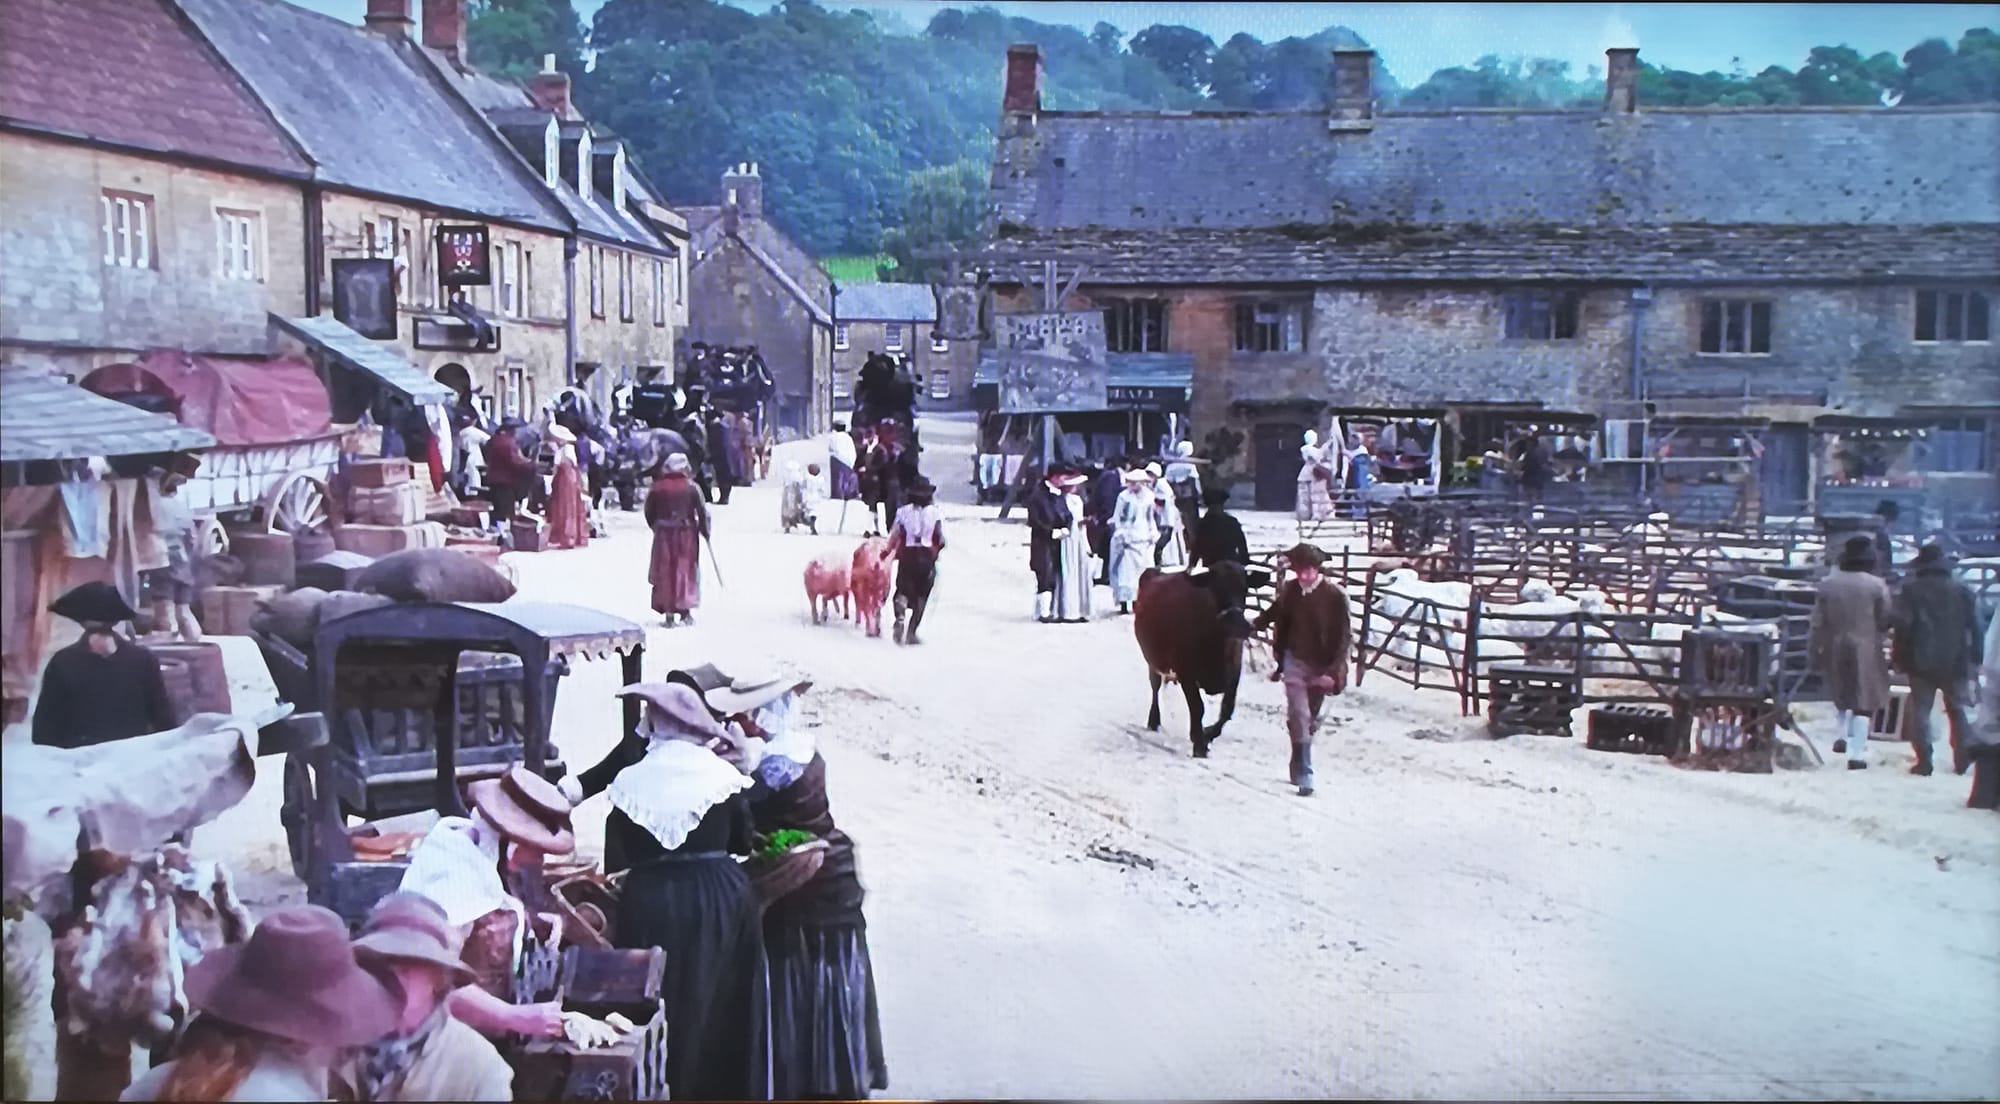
(699, 909)
(826, 1035)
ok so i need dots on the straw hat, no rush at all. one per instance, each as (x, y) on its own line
(745, 694)
(527, 809)
(410, 927)
(680, 704)
(296, 978)
(94, 603)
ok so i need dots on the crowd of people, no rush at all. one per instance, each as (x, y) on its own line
(768, 990)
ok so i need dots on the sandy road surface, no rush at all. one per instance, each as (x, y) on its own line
(1448, 917)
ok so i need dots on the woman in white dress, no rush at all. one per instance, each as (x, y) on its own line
(1135, 537)
(1073, 568)
(1173, 549)
(1315, 495)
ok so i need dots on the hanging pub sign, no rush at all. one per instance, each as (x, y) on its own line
(1051, 362)
(364, 296)
(465, 256)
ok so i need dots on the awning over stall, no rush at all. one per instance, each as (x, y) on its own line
(44, 417)
(240, 402)
(391, 368)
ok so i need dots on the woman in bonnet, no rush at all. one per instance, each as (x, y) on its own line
(680, 815)
(826, 1034)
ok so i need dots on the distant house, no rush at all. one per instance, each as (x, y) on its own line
(749, 284)
(901, 320)
(1781, 263)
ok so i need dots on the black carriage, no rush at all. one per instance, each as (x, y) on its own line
(421, 698)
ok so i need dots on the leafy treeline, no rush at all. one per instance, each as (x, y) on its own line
(876, 138)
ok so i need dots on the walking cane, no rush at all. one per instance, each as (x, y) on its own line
(714, 564)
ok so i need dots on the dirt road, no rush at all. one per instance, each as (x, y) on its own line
(1448, 917)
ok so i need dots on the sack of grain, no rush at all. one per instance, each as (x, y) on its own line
(435, 575)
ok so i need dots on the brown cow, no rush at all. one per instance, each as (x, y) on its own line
(868, 582)
(1177, 621)
(827, 587)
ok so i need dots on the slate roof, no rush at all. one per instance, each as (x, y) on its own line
(1695, 253)
(885, 302)
(369, 114)
(383, 362)
(43, 417)
(131, 72)
(787, 281)
(1766, 184)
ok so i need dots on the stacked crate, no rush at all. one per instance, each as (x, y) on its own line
(1725, 713)
(385, 512)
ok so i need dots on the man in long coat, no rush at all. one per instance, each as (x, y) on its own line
(1850, 622)
(1049, 522)
(679, 517)
(104, 687)
(1937, 644)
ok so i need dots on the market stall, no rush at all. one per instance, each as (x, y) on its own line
(1406, 447)
(1865, 462)
(1146, 403)
(1705, 467)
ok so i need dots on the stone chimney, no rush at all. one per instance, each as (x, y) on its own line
(444, 28)
(743, 191)
(1351, 100)
(390, 17)
(1024, 80)
(1621, 80)
(551, 89)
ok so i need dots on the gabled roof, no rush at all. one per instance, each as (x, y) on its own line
(885, 303)
(1702, 193)
(43, 417)
(133, 73)
(786, 281)
(369, 113)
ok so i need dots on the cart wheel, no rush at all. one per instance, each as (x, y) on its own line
(211, 537)
(296, 813)
(297, 504)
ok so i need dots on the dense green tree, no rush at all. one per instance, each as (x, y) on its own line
(1107, 38)
(943, 207)
(1182, 53)
(509, 37)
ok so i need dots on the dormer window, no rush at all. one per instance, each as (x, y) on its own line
(584, 186)
(618, 179)
(552, 153)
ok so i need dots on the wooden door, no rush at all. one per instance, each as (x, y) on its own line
(1275, 459)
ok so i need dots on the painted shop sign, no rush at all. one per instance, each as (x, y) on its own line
(1158, 400)
(1050, 363)
(465, 256)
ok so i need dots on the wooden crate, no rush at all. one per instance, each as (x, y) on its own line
(1635, 729)
(1732, 736)
(1537, 700)
(1726, 665)
(1889, 722)
(635, 1068)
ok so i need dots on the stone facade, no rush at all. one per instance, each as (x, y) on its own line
(532, 363)
(735, 299)
(614, 346)
(62, 305)
(947, 372)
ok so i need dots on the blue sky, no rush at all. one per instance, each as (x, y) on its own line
(1416, 39)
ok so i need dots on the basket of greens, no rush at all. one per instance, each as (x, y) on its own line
(783, 862)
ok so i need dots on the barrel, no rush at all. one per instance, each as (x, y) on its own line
(269, 559)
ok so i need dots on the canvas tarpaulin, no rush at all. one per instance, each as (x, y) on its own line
(239, 402)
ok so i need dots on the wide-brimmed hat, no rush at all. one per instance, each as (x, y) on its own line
(1215, 496)
(527, 809)
(920, 491)
(512, 422)
(1184, 449)
(1932, 555)
(94, 603)
(1305, 555)
(1154, 470)
(1137, 475)
(296, 978)
(681, 704)
(562, 433)
(410, 927)
(749, 692)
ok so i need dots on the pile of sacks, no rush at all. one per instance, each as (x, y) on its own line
(418, 575)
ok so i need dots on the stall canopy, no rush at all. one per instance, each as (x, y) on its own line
(385, 365)
(240, 402)
(43, 417)
(1158, 382)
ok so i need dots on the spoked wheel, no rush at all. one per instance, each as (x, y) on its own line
(211, 537)
(296, 813)
(297, 505)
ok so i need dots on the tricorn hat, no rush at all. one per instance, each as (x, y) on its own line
(527, 809)
(94, 603)
(1305, 555)
(410, 927)
(296, 978)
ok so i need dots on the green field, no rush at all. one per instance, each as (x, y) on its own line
(855, 270)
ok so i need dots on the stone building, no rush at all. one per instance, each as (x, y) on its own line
(1782, 262)
(749, 284)
(901, 320)
(628, 272)
(397, 154)
(163, 208)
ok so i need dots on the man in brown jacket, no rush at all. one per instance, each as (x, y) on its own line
(1937, 644)
(1309, 633)
(1850, 622)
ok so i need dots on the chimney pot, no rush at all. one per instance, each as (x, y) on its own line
(1621, 80)
(548, 63)
(444, 28)
(1353, 91)
(389, 17)
(743, 190)
(1023, 95)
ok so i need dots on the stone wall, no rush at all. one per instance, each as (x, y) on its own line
(60, 300)
(618, 347)
(956, 364)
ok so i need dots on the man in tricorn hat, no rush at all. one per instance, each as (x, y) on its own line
(917, 538)
(104, 687)
(1309, 635)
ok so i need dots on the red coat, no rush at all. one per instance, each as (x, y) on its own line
(679, 517)
(506, 466)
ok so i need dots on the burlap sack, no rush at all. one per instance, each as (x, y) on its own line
(292, 617)
(435, 575)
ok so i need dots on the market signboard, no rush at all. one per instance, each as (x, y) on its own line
(1052, 363)
(465, 256)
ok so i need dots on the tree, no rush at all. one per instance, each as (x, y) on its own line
(509, 37)
(1107, 38)
(668, 22)
(1933, 73)
(945, 207)
(1182, 53)
(1237, 76)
